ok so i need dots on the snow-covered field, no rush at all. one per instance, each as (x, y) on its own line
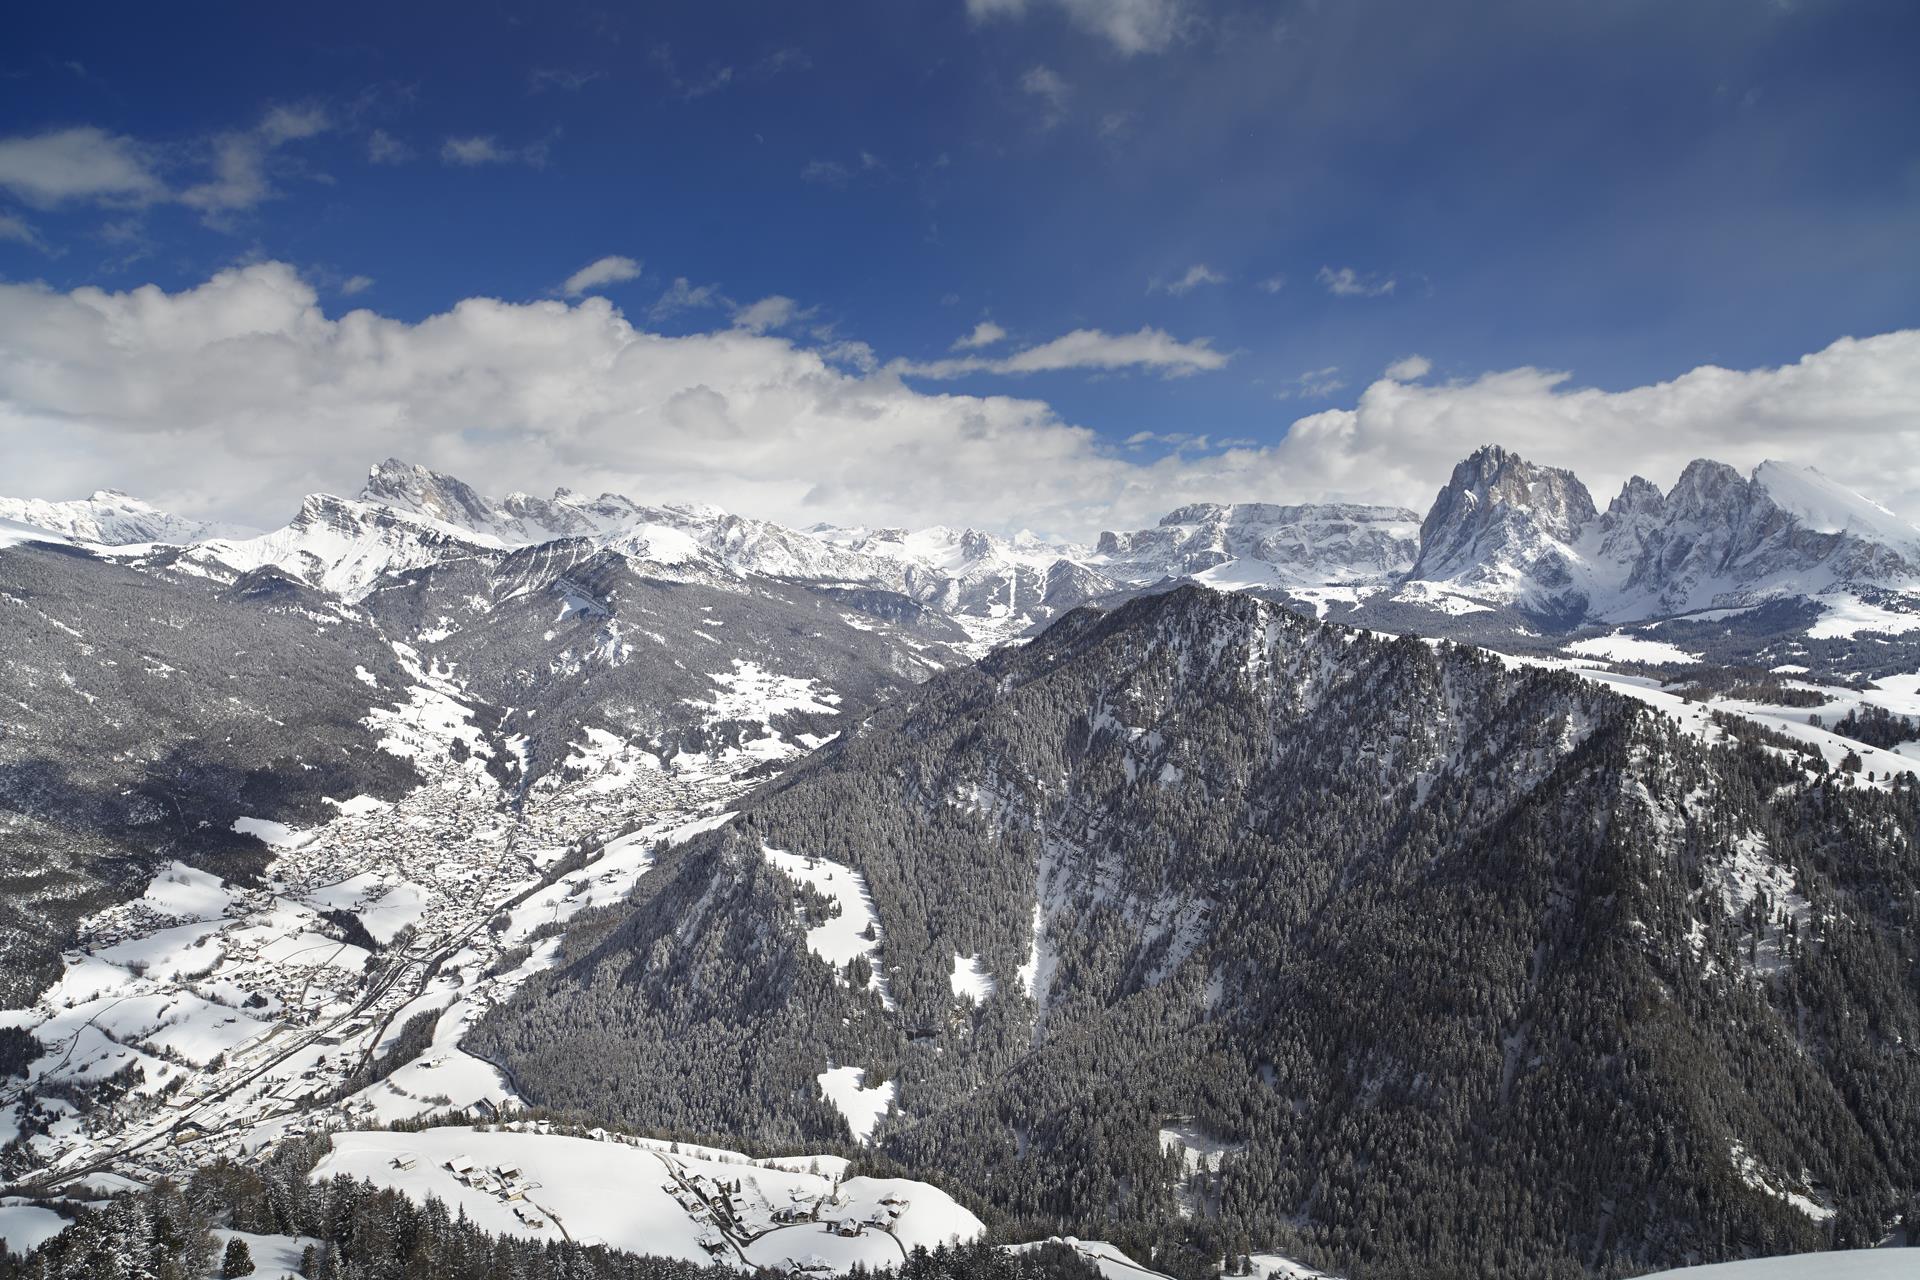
(861, 1106)
(1620, 647)
(688, 1202)
(854, 929)
(24, 1226)
(1899, 694)
(1856, 1264)
(235, 1013)
(274, 1257)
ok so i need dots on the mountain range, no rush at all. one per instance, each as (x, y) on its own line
(1523, 889)
(1522, 543)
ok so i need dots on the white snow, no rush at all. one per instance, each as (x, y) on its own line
(1620, 647)
(270, 832)
(182, 892)
(1826, 507)
(26, 1226)
(274, 1257)
(862, 1107)
(854, 929)
(641, 1195)
(13, 533)
(1853, 1264)
(1199, 1150)
(970, 979)
(358, 806)
(1112, 1262)
(1271, 1266)
(1845, 616)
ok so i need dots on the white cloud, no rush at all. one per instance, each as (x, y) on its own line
(684, 295)
(825, 173)
(77, 164)
(384, 148)
(1131, 26)
(612, 269)
(1409, 369)
(1273, 284)
(356, 284)
(1150, 349)
(773, 312)
(1197, 274)
(1046, 84)
(984, 334)
(240, 160)
(1314, 384)
(1345, 282)
(483, 149)
(234, 398)
(19, 230)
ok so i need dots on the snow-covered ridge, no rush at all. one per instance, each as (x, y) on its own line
(109, 518)
(1503, 534)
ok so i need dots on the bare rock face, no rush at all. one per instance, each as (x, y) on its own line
(1503, 528)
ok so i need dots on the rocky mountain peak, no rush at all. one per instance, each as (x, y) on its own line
(410, 487)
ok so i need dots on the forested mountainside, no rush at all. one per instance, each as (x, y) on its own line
(155, 698)
(568, 637)
(1206, 922)
(145, 714)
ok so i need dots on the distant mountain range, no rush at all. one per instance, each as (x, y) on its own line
(1521, 544)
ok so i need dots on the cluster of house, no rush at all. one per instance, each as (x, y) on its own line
(504, 1182)
(452, 843)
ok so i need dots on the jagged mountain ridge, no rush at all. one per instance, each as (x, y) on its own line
(1505, 533)
(1507, 547)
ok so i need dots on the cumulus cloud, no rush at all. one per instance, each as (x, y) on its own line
(1130, 26)
(233, 398)
(1345, 282)
(984, 334)
(1150, 349)
(601, 272)
(1197, 274)
(1410, 369)
(77, 164)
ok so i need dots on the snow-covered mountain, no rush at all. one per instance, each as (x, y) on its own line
(1506, 535)
(1719, 539)
(110, 518)
(1501, 533)
(1259, 543)
(1507, 543)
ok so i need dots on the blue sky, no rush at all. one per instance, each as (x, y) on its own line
(1620, 190)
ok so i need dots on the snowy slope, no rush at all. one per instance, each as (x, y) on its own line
(656, 1197)
(1855, 1264)
(111, 518)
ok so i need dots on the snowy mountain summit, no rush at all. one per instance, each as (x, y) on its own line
(109, 518)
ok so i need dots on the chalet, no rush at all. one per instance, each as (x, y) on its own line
(403, 1163)
(848, 1227)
